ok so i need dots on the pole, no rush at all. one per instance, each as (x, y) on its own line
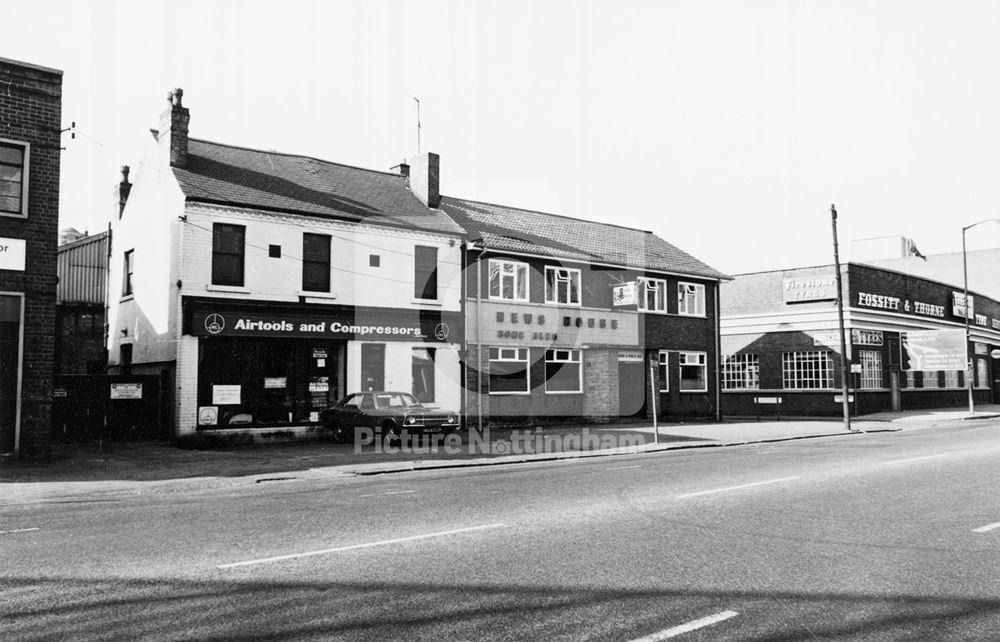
(652, 396)
(965, 313)
(840, 322)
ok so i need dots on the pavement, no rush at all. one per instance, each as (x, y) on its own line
(129, 467)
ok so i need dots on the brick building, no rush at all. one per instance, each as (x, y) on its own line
(262, 286)
(82, 267)
(30, 116)
(569, 319)
(780, 340)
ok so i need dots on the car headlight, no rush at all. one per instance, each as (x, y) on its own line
(452, 419)
(411, 420)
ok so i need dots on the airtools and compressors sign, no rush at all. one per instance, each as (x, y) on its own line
(933, 350)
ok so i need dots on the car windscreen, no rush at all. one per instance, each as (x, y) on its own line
(388, 400)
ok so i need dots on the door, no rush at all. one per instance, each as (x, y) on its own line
(10, 326)
(631, 389)
(372, 366)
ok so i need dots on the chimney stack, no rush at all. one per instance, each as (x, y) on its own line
(404, 169)
(425, 172)
(174, 125)
(124, 187)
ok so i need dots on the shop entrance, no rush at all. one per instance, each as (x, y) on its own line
(373, 366)
(10, 326)
(631, 389)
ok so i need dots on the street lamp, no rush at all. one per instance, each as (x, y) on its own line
(967, 310)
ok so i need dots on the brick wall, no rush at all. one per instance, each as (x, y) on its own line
(30, 112)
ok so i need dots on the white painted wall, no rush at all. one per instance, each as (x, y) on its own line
(399, 370)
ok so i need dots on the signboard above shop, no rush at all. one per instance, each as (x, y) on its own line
(12, 254)
(933, 350)
(820, 287)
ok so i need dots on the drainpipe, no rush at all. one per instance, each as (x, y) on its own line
(718, 354)
(479, 346)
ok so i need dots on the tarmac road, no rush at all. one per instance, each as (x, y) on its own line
(864, 537)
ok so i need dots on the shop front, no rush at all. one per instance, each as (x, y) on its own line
(265, 365)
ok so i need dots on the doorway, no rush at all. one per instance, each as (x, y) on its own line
(372, 366)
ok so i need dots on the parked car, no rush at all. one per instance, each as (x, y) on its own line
(390, 412)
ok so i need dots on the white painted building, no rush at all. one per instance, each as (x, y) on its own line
(264, 286)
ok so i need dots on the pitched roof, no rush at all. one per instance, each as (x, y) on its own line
(501, 227)
(238, 176)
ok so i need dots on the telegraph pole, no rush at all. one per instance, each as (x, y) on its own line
(840, 322)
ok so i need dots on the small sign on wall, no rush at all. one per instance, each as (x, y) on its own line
(12, 254)
(208, 415)
(226, 395)
(126, 391)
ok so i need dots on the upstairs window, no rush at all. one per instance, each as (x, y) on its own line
(562, 285)
(651, 294)
(228, 246)
(315, 262)
(127, 272)
(425, 273)
(691, 299)
(13, 175)
(508, 280)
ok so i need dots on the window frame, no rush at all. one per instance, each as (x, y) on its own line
(500, 351)
(320, 265)
(663, 369)
(682, 357)
(552, 285)
(686, 288)
(578, 361)
(128, 270)
(795, 357)
(431, 389)
(743, 369)
(981, 381)
(25, 148)
(500, 267)
(217, 268)
(642, 284)
(428, 291)
(871, 370)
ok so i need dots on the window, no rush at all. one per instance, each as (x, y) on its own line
(562, 371)
(694, 371)
(374, 260)
(651, 293)
(741, 372)
(315, 262)
(871, 369)
(508, 280)
(952, 378)
(691, 299)
(13, 172)
(982, 374)
(425, 273)
(127, 273)
(227, 254)
(809, 370)
(274, 251)
(664, 372)
(930, 379)
(508, 370)
(562, 285)
(423, 374)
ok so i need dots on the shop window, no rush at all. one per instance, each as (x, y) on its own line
(228, 246)
(982, 374)
(423, 374)
(808, 370)
(871, 369)
(562, 371)
(509, 371)
(372, 366)
(13, 178)
(127, 272)
(315, 262)
(929, 379)
(664, 361)
(562, 285)
(691, 299)
(694, 371)
(741, 372)
(425, 273)
(508, 280)
(651, 294)
(952, 378)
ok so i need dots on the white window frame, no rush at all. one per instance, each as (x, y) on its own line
(982, 373)
(741, 371)
(664, 363)
(25, 175)
(511, 355)
(564, 355)
(793, 379)
(700, 360)
(552, 285)
(871, 369)
(686, 292)
(659, 285)
(515, 265)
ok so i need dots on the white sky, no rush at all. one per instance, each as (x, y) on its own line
(726, 127)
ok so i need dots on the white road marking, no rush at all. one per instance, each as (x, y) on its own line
(688, 627)
(400, 492)
(19, 530)
(624, 467)
(352, 547)
(987, 528)
(903, 461)
(722, 490)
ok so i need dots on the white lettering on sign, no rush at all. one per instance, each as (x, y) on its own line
(926, 309)
(12, 254)
(981, 320)
(878, 301)
(362, 330)
(866, 337)
(810, 289)
(995, 323)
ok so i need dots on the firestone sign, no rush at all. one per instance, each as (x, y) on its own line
(814, 288)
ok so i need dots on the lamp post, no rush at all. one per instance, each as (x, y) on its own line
(966, 310)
